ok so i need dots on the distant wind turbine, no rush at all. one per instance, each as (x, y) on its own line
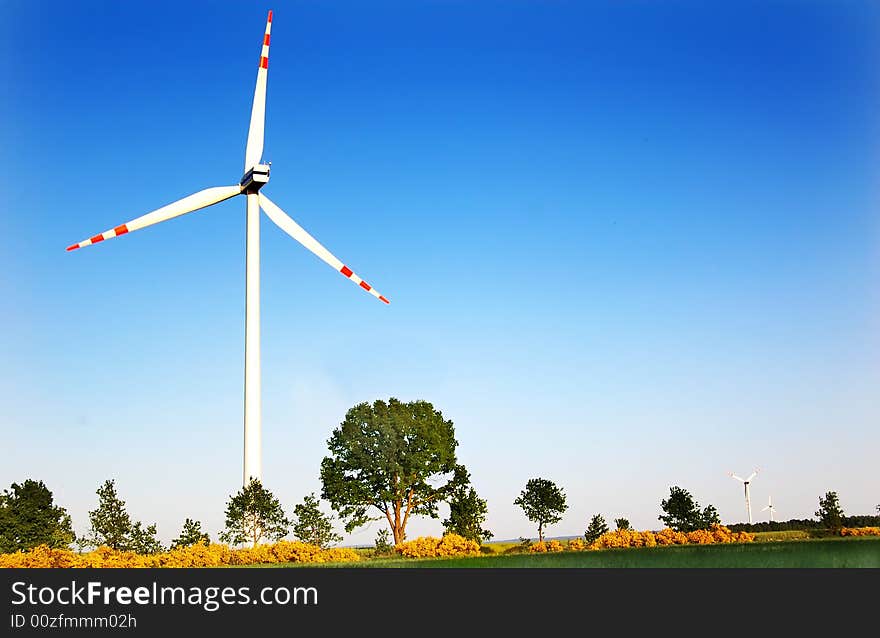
(770, 507)
(745, 482)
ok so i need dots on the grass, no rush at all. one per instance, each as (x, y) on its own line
(788, 535)
(830, 552)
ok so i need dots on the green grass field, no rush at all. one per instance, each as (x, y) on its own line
(832, 552)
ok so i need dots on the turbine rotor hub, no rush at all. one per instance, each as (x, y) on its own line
(255, 178)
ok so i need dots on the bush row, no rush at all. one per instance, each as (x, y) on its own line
(632, 538)
(860, 531)
(199, 555)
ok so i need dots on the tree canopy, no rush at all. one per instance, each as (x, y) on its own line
(830, 514)
(683, 514)
(542, 502)
(29, 517)
(393, 460)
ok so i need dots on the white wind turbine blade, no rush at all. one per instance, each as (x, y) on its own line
(204, 198)
(752, 475)
(285, 223)
(254, 150)
(736, 477)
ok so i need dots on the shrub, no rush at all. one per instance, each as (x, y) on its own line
(430, 547)
(546, 546)
(860, 531)
(382, 546)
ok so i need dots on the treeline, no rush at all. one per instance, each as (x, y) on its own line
(806, 524)
(29, 517)
(387, 461)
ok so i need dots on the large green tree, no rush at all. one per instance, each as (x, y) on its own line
(467, 513)
(393, 459)
(543, 502)
(253, 514)
(29, 517)
(830, 514)
(311, 525)
(683, 514)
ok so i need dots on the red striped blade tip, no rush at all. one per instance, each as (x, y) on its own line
(72, 247)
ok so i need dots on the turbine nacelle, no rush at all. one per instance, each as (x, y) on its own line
(255, 178)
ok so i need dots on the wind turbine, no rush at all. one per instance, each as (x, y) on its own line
(769, 507)
(745, 483)
(256, 175)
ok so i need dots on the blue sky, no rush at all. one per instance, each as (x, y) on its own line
(628, 245)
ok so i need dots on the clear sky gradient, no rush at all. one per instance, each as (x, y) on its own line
(628, 245)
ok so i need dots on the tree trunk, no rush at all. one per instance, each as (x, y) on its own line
(397, 528)
(541, 532)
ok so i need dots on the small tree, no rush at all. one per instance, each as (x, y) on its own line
(110, 523)
(710, 517)
(830, 514)
(542, 502)
(29, 517)
(382, 546)
(467, 512)
(112, 526)
(252, 515)
(622, 523)
(596, 528)
(191, 534)
(683, 514)
(142, 540)
(311, 525)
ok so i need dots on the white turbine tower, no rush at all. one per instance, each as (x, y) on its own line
(256, 175)
(770, 508)
(745, 482)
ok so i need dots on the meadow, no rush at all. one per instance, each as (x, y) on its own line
(833, 552)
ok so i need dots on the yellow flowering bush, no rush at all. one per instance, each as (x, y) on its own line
(701, 537)
(431, 547)
(577, 545)
(198, 555)
(622, 538)
(860, 531)
(724, 535)
(546, 546)
(669, 536)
